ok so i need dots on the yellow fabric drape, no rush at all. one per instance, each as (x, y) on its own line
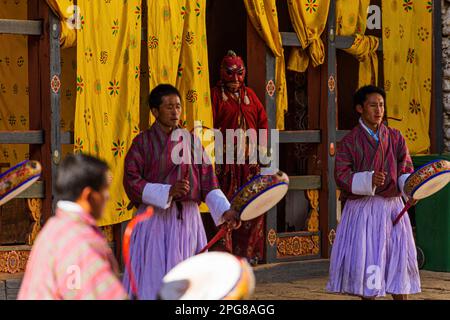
(364, 48)
(263, 16)
(407, 50)
(107, 106)
(309, 18)
(14, 104)
(65, 10)
(351, 20)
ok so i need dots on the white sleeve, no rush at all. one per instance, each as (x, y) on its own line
(217, 203)
(401, 184)
(157, 194)
(362, 184)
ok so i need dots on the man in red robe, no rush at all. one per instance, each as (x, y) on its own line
(236, 106)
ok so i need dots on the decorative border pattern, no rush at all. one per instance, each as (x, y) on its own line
(298, 246)
(13, 261)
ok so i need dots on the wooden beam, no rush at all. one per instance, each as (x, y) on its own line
(304, 182)
(345, 42)
(26, 27)
(304, 136)
(36, 191)
(22, 137)
(290, 39)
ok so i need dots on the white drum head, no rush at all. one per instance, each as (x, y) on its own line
(207, 276)
(264, 202)
(431, 186)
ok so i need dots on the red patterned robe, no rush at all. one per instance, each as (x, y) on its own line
(248, 240)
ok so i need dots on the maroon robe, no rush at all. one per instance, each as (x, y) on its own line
(358, 152)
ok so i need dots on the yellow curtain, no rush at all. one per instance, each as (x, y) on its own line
(351, 20)
(107, 106)
(193, 70)
(177, 50)
(14, 103)
(407, 50)
(309, 18)
(364, 48)
(264, 17)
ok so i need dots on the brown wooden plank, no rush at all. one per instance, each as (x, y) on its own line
(25, 27)
(304, 182)
(304, 136)
(36, 191)
(22, 137)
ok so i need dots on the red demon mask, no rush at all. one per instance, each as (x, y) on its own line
(232, 69)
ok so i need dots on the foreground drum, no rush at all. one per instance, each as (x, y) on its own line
(209, 276)
(260, 194)
(428, 179)
(18, 179)
(424, 182)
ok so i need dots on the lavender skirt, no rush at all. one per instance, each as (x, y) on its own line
(370, 257)
(160, 243)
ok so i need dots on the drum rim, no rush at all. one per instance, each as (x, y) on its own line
(257, 195)
(18, 186)
(427, 164)
(250, 181)
(428, 179)
(13, 168)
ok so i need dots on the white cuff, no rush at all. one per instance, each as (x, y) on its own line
(401, 184)
(362, 183)
(157, 194)
(217, 203)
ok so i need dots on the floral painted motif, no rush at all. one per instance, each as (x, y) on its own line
(114, 88)
(118, 148)
(311, 6)
(408, 5)
(414, 106)
(115, 27)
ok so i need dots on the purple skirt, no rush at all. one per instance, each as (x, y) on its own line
(370, 257)
(160, 243)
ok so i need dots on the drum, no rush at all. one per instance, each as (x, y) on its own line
(209, 276)
(18, 178)
(424, 182)
(428, 179)
(260, 194)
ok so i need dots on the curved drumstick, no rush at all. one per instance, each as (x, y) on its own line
(409, 204)
(223, 230)
(126, 245)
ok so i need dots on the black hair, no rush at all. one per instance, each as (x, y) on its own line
(361, 94)
(160, 91)
(77, 172)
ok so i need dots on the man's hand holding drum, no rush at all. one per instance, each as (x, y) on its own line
(231, 218)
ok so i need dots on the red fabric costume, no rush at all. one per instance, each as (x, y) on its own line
(235, 108)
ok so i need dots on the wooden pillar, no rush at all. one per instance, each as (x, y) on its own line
(40, 100)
